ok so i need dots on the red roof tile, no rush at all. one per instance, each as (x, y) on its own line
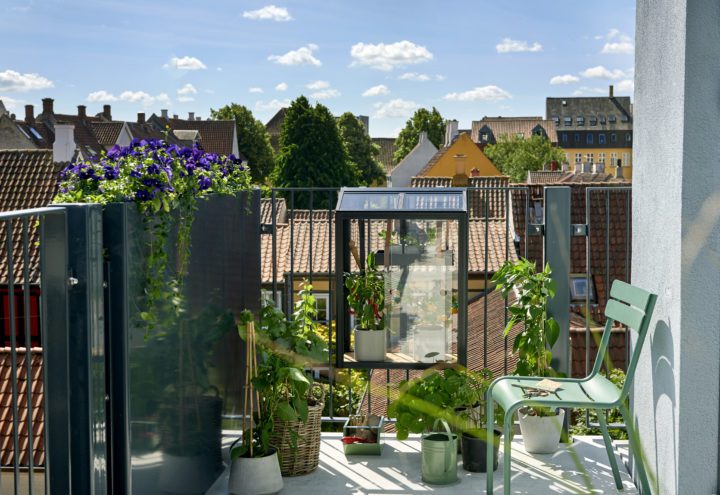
(218, 136)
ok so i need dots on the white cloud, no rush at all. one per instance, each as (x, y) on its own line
(272, 104)
(378, 90)
(185, 99)
(144, 98)
(484, 93)
(219, 69)
(600, 72)
(439, 77)
(281, 87)
(626, 86)
(9, 103)
(617, 43)
(508, 45)
(397, 108)
(414, 76)
(388, 56)
(565, 79)
(301, 56)
(101, 96)
(325, 94)
(255, 90)
(315, 85)
(185, 63)
(587, 91)
(11, 80)
(187, 90)
(268, 13)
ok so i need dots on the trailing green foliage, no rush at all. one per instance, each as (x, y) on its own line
(367, 295)
(253, 140)
(362, 152)
(515, 155)
(312, 153)
(423, 119)
(580, 426)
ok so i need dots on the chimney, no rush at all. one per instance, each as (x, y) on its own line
(619, 171)
(47, 106)
(451, 131)
(29, 114)
(587, 168)
(106, 112)
(599, 168)
(460, 179)
(565, 167)
(423, 137)
(554, 165)
(64, 145)
(198, 118)
(366, 122)
(191, 115)
(164, 113)
(474, 172)
(82, 111)
(141, 118)
(175, 116)
(612, 91)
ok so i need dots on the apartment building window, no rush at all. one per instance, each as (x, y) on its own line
(580, 121)
(484, 137)
(577, 137)
(593, 120)
(266, 296)
(602, 120)
(322, 303)
(568, 121)
(589, 158)
(613, 159)
(612, 119)
(601, 158)
(556, 119)
(578, 157)
(626, 159)
(589, 139)
(601, 138)
(564, 137)
(628, 137)
(613, 138)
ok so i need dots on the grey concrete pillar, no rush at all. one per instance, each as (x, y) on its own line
(676, 240)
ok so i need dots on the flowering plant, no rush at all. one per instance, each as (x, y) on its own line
(366, 296)
(165, 181)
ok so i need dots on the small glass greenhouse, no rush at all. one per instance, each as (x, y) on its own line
(401, 260)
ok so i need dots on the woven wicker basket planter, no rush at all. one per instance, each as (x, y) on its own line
(305, 458)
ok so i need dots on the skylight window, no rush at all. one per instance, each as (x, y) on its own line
(36, 134)
(24, 132)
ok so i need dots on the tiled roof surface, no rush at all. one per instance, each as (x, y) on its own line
(107, 133)
(387, 150)
(36, 419)
(617, 347)
(477, 197)
(274, 126)
(499, 242)
(46, 137)
(439, 155)
(591, 177)
(83, 133)
(28, 179)
(217, 135)
(266, 210)
(545, 176)
(589, 106)
(268, 257)
(513, 126)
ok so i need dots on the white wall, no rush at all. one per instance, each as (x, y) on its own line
(676, 239)
(413, 163)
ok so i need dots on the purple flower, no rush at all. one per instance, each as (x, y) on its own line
(204, 183)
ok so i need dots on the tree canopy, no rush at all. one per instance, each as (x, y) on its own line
(426, 120)
(361, 150)
(514, 156)
(312, 153)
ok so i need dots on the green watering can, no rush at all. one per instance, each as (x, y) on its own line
(439, 455)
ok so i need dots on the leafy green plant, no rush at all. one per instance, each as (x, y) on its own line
(580, 426)
(540, 332)
(367, 296)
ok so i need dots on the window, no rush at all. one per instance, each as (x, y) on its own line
(593, 120)
(589, 138)
(628, 137)
(322, 303)
(568, 121)
(484, 137)
(266, 296)
(602, 119)
(612, 119)
(520, 135)
(580, 120)
(578, 157)
(601, 138)
(577, 137)
(564, 137)
(601, 158)
(556, 119)
(613, 138)
(626, 160)
(613, 159)
(589, 158)
(624, 118)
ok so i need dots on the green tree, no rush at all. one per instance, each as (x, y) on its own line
(515, 156)
(361, 150)
(423, 120)
(253, 140)
(312, 153)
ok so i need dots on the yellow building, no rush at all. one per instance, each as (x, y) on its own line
(460, 157)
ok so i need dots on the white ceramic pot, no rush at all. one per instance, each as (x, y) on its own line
(541, 434)
(370, 345)
(255, 475)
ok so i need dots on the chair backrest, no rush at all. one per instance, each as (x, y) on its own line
(632, 307)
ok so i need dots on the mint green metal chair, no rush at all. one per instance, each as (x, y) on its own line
(628, 305)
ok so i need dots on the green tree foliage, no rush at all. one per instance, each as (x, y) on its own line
(515, 156)
(312, 153)
(253, 140)
(423, 120)
(361, 150)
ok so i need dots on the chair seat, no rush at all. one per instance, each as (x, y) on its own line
(596, 392)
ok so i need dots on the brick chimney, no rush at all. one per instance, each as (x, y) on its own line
(475, 172)
(554, 165)
(48, 105)
(82, 111)
(141, 118)
(191, 115)
(64, 145)
(164, 113)
(107, 112)
(619, 172)
(29, 114)
(460, 179)
(612, 91)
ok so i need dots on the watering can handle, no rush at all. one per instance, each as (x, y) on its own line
(449, 434)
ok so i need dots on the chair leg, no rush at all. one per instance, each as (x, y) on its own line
(507, 451)
(636, 452)
(490, 440)
(609, 449)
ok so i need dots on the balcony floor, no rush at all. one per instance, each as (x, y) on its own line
(398, 471)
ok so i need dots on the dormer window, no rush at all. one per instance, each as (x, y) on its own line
(556, 119)
(484, 137)
(593, 120)
(602, 120)
(580, 120)
(568, 121)
(612, 119)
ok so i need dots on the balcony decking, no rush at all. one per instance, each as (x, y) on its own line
(397, 471)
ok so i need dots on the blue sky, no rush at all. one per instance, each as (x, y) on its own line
(467, 58)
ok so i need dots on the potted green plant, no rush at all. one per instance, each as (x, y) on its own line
(540, 426)
(366, 299)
